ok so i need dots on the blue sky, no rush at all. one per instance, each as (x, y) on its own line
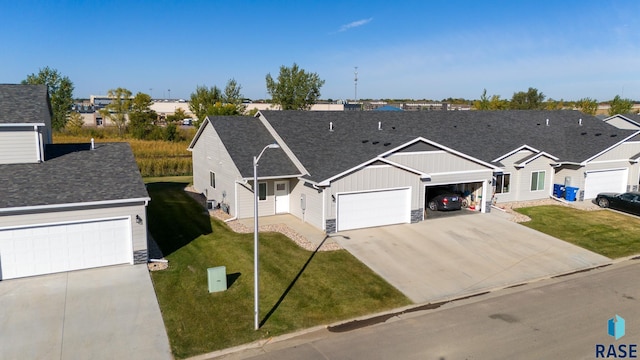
(403, 49)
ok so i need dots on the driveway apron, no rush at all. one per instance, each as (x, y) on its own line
(454, 256)
(103, 313)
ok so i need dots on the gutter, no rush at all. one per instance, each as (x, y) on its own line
(236, 200)
(77, 204)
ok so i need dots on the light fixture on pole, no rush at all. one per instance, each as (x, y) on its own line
(255, 233)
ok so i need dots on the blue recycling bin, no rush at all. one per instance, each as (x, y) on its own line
(570, 193)
(558, 190)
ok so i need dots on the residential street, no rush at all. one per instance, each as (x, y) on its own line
(562, 318)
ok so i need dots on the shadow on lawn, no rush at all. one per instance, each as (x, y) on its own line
(174, 218)
(293, 282)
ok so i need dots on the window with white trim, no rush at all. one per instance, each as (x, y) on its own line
(503, 183)
(262, 191)
(212, 179)
(537, 180)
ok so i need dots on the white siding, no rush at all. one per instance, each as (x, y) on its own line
(313, 198)
(521, 180)
(209, 154)
(138, 231)
(246, 200)
(622, 152)
(435, 162)
(18, 145)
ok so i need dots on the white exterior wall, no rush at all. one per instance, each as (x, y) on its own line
(521, 180)
(18, 146)
(246, 200)
(508, 162)
(209, 154)
(372, 178)
(313, 199)
(138, 231)
(433, 162)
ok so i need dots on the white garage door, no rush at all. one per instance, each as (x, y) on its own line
(375, 208)
(38, 250)
(605, 181)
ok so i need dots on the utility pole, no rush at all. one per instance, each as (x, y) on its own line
(356, 84)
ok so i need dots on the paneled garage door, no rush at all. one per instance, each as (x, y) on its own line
(37, 250)
(374, 208)
(605, 181)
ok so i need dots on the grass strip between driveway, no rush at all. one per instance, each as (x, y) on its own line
(605, 232)
(298, 288)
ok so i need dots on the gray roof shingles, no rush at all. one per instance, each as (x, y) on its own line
(72, 173)
(244, 137)
(24, 104)
(485, 135)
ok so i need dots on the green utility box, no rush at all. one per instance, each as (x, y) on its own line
(217, 277)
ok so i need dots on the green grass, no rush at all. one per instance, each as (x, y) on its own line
(298, 288)
(607, 233)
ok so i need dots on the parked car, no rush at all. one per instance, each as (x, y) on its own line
(441, 199)
(627, 202)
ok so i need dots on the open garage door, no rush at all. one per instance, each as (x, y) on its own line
(373, 208)
(614, 180)
(37, 250)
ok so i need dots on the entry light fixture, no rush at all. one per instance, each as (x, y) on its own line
(138, 220)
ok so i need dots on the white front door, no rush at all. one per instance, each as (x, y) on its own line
(282, 196)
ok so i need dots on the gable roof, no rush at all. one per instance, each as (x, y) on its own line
(487, 135)
(73, 175)
(244, 137)
(24, 104)
(630, 121)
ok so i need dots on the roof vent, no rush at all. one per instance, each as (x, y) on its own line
(379, 125)
(393, 128)
(614, 135)
(547, 122)
(375, 142)
(331, 126)
(365, 141)
(583, 133)
(598, 134)
(580, 122)
(93, 144)
(387, 144)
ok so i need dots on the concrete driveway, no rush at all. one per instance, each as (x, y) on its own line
(455, 256)
(103, 313)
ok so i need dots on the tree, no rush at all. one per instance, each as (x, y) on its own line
(295, 89)
(141, 117)
(483, 103)
(177, 116)
(554, 104)
(203, 99)
(620, 106)
(118, 109)
(232, 95)
(60, 90)
(496, 103)
(530, 100)
(587, 105)
(74, 123)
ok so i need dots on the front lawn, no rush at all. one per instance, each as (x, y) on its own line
(298, 288)
(607, 233)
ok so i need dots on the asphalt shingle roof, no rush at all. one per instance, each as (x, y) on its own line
(244, 137)
(72, 173)
(485, 135)
(24, 104)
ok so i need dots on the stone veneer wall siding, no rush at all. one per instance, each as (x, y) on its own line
(140, 257)
(416, 215)
(330, 226)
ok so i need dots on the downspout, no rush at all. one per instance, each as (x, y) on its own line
(235, 184)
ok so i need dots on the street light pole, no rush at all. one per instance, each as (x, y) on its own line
(256, 305)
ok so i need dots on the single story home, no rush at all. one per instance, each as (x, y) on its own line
(63, 207)
(347, 170)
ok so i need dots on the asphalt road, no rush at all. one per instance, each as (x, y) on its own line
(561, 318)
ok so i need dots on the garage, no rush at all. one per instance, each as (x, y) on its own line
(43, 249)
(373, 208)
(611, 180)
(469, 195)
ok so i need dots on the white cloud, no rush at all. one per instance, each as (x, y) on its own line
(355, 24)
